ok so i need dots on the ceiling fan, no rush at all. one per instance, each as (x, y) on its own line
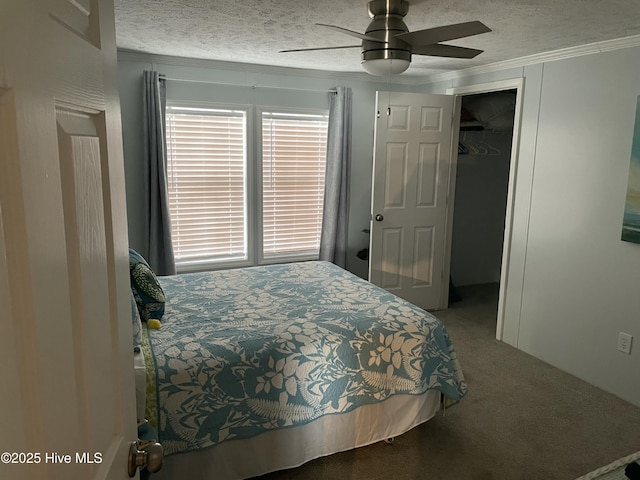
(387, 44)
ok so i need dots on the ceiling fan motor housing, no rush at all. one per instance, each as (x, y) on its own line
(386, 24)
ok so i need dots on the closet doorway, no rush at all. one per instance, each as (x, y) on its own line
(484, 184)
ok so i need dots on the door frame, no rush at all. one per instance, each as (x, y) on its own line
(511, 84)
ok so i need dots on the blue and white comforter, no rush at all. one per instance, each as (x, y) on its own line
(244, 351)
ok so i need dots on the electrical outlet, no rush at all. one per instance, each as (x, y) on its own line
(624, 342)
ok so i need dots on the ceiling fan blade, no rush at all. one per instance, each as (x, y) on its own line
(318, 48)
(443, 34)
(352, 33)
(450, 51)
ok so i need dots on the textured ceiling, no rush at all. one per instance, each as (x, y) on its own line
(253, 31)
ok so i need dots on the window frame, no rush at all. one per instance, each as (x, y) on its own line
(253, 184)
(260, 110)
(250, 190)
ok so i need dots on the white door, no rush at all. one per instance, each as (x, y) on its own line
(67, 403)
(411, 174)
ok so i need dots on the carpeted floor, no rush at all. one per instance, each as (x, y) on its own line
(522, 418)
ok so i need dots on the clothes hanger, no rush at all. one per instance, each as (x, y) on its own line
(489, 149)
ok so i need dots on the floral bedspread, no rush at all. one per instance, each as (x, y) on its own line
(244, 351)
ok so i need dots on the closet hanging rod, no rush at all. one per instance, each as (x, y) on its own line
(163, 77)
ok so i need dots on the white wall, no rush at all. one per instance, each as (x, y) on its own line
(573, 285)
(289, 83)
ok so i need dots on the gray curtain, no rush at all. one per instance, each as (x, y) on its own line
(156, 218)
(335, 217)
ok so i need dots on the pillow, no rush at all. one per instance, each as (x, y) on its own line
(146, 288)
(137, 324)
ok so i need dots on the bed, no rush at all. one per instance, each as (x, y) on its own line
(260, 369)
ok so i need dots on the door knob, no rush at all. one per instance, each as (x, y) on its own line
(145, 453)
(379, 218)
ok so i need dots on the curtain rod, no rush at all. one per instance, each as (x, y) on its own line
(163, 77)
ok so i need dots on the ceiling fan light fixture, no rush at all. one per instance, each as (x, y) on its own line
(387, 44)
(386, 66)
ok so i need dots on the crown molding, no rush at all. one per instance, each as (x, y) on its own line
(562, 54)
(134, 56)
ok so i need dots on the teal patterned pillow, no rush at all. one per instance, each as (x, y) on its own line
(137, 324)
(146, 288)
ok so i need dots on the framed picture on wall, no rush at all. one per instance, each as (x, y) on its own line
(631, 219)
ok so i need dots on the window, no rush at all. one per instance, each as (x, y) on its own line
(294, 149)
(216, 216)
(206, 172)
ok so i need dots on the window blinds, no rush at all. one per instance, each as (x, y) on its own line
(293, 172)
(206, 164)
